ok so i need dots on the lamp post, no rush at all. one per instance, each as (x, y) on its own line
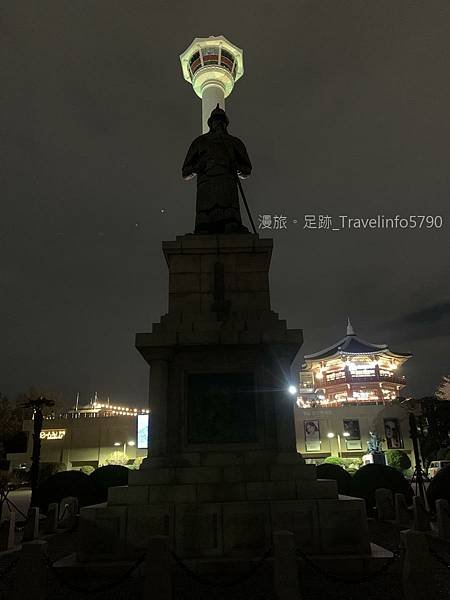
(331, 435)
(131, 443)
(38, 418)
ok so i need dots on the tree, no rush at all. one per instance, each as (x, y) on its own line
(398, 459)
(10, 422)
(433, 427)
(443, 391)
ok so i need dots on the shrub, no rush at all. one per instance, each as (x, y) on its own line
(371, 477)
(349, 464)
(106, 477)
(116, 458)
(439, 486)
(66, 483)
(328, 470)
(398, 460)
(334, 460)
(47, 469)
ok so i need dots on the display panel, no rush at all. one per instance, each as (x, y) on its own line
(142, 431)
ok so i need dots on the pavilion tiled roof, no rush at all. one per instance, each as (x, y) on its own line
(352, 344)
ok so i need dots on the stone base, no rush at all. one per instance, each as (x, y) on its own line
(225, 511)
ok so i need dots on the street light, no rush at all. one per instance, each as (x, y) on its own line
(331, 435)
(125, 444)
(292, 390)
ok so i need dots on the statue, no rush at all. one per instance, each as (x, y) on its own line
(217, 158)
(374, 443)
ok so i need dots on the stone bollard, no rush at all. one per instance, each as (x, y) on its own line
(68, 511)
(51, 521)
(30, 582)
(158, 581)
(421, 518)
(5, 529)
(443, 518)
(403, 516)
(417, 571)
(12, 530)
(384, 501)
(31, 529)
(285, 567)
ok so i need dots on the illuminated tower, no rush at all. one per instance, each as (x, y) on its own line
(212, 65)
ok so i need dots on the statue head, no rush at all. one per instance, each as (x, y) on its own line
(218, 117)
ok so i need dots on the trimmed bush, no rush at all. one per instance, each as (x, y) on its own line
(334, 460)
(398, 460)
(66, 483)
(371, 477)
(328, 470)
(106, 477)
(87, 469)
(439, 486)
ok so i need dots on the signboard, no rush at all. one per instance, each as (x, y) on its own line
(52, 434)
(142, 431)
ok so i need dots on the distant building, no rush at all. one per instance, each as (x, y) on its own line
(89, 435)
(347, 390)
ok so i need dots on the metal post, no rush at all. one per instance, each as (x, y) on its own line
(418, 470)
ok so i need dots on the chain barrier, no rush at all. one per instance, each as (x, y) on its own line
(438, 557)
(97, 589)
(206, 581)
(12, 507)
(7, 570)
(365, 578)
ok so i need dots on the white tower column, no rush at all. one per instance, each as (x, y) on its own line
(212, 66)
(213, 94)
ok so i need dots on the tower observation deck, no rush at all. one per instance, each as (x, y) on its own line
(212, 65)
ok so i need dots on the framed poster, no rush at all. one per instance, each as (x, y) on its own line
(392, 432)
(352, 434)
(351, 426)
(312, 436)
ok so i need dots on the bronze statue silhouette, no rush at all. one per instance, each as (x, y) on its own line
(218, 159)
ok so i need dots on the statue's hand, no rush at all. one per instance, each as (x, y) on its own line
(242, 175)
(190, 176)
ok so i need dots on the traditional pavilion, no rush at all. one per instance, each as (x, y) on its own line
(351, 371)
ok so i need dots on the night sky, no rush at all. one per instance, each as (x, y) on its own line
(343, 108)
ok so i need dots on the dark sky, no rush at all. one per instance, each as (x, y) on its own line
(344, 110)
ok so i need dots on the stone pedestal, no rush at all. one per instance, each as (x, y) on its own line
(222, 471)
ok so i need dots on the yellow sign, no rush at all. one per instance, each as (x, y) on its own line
(52, 434)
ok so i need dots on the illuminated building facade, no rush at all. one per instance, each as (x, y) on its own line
(88, 436)
(346, 391)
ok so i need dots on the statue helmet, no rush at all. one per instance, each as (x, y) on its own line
(218, 113)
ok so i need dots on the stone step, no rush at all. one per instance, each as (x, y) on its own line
(221, 491)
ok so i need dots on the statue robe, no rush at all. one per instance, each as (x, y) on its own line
(216, 157)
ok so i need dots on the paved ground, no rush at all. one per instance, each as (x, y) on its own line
(314, 585)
